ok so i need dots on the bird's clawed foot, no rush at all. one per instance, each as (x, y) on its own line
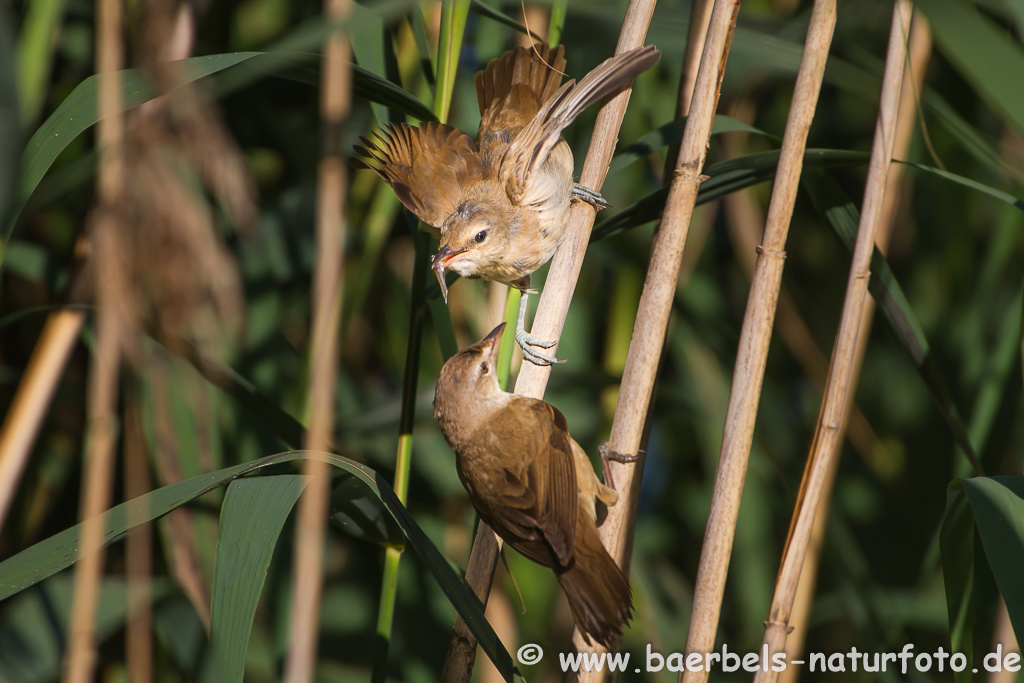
(608, 456)
(526, 341)
(589, 196)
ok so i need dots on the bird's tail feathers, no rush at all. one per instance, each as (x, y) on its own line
(598, 592)
(539, 68)
(607, 78)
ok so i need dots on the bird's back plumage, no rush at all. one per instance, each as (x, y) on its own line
(519, 464)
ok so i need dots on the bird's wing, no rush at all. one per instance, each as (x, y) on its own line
(540, 497)
(429, 167)
(531, 146)
(513, 88)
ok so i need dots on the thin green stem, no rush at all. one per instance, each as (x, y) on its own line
(505, 349)
(449, 45)
(36, 46)
(558, 10)
(383, 209)
(453, 25)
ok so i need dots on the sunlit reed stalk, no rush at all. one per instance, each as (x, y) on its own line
(550, 318)
(97, 479)
(32, 399)
(335, 99)
(919, 53)
(830, 418)
(755, 340)
(655, 307)
(453, 25)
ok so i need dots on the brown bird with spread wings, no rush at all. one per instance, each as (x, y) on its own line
(532, 484)
(502, 207)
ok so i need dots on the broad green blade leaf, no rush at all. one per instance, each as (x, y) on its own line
(304, 67)
(486, 10)
(672, 132)
(463, 600)
(356, 509)
(988, 59)
(251, 518)
(956, 542)
(998, 506)
(723, 178)
(967, 182)
(10, 124)
(968, 136)
(60, 551)
(78, 112)
(830, 200)
(366, 35)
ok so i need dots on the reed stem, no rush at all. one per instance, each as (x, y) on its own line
(332, 178)
(833, 407)
(550, 319)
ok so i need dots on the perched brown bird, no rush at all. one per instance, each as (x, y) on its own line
(532, 484)
(502, 208)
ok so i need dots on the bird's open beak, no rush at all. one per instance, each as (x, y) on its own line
(491, 343)
(441, 260)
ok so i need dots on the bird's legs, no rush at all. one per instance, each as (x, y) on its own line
(589, 196)
(526, 341)
(608, 456)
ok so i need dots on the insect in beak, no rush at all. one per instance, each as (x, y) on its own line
(441, 260)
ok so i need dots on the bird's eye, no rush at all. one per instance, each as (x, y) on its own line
(480, 236)
(483, 368)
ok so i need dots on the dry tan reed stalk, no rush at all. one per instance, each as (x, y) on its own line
(32, 399)
(830, 419)
(550, 319)
(501, 615)
(913, 80)
(623, 447)
(755, 340)
(138, 550)
(98, 473)
(336, 89)
(568, 260)
(696, 33)
(745, 223)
